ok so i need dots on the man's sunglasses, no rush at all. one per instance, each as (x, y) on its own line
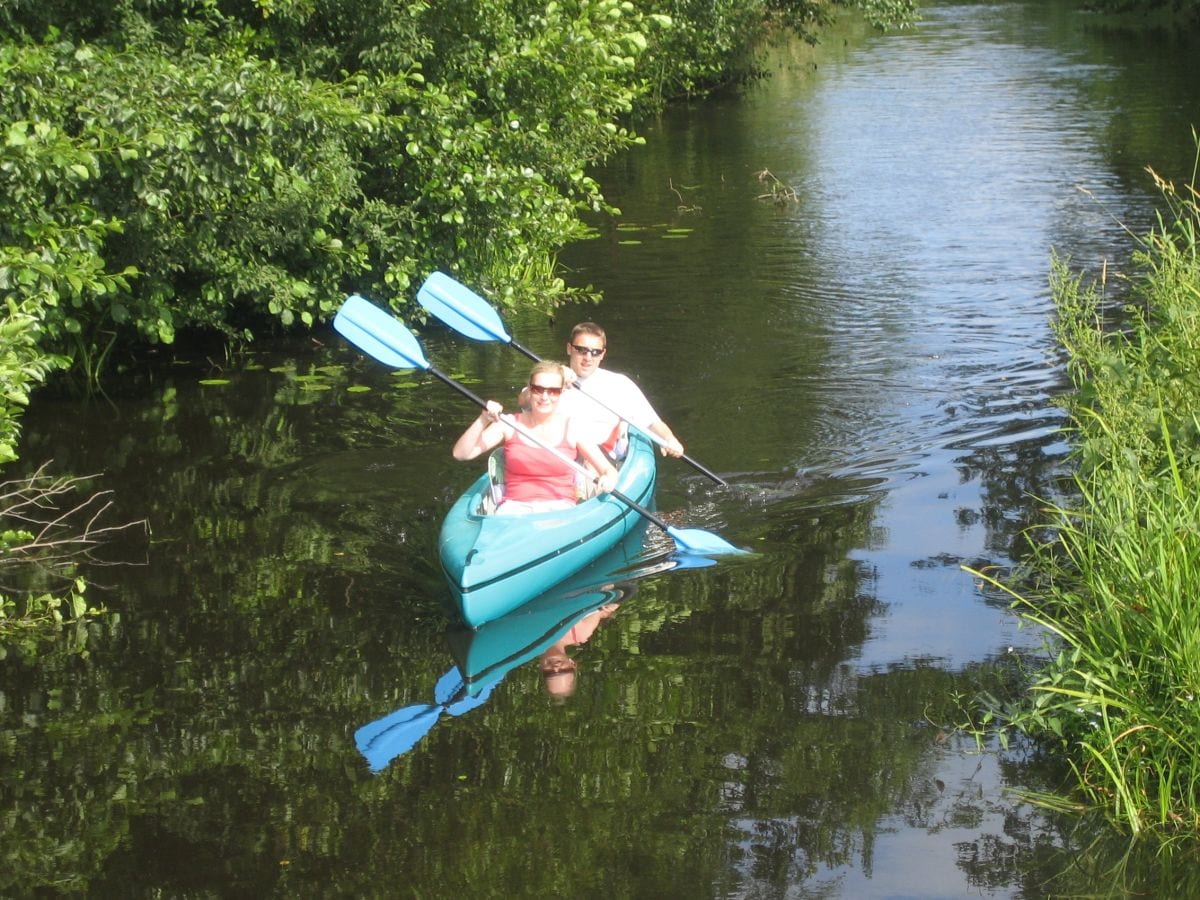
(545, 389)
(587, 351)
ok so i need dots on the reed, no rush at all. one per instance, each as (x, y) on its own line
(1117, 584)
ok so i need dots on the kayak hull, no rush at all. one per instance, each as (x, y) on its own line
(495, 564)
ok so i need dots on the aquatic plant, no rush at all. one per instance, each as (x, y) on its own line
(1116, 583)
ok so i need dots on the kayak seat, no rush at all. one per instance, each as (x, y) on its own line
(494, 494)
(616, 446)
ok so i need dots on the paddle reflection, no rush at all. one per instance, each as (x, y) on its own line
(544, 628)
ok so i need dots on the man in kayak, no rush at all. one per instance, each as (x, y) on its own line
(538, 458)
(604, 394)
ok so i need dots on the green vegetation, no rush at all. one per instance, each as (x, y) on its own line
(236, 167)
(1117, 580)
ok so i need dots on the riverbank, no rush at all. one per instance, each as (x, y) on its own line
(1115, 572)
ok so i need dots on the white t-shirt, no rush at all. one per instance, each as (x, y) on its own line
(614, 390)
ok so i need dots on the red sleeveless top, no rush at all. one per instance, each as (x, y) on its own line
(534, 473)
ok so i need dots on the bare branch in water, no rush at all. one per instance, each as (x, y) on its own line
(36, 530)
(780, 192)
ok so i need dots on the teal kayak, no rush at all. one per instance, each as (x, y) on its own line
(495, 564)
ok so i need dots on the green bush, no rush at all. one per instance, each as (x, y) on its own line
(1116, 584)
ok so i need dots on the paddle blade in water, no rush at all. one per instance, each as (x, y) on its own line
(467, 702)
(384, 739)
(691, 561)
(461, 308)
(378, 334)
(695, 540)
(448, 686)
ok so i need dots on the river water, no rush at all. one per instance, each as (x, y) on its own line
(834, 288)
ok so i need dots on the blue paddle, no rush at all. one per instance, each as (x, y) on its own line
(383, 336)
(469, 314)
(398, 732)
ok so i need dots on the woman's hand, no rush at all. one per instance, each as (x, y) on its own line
(491, 413)
(607, 482)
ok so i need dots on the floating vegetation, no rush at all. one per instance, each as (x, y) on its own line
(214, 381)
(780, 193)
(683, 206)
(358, 389)
(660, 229)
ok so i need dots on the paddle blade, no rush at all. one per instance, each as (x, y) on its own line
(384, 739)
(704, 543)
(462, 309)
(378, 334)
(448, 686)
(467, 702)
(690, 561)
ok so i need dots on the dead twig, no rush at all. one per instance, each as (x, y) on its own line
(38, 529)
(780, 193)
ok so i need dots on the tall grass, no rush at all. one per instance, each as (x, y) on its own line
(1118, 581)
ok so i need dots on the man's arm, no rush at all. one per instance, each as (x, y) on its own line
(672, 445)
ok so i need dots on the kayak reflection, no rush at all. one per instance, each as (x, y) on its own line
(565, 616)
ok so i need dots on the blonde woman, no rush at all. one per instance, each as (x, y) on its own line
(536, 479)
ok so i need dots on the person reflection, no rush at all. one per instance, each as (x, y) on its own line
(557, 667)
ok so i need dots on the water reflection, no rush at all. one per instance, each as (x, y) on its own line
(563, 617)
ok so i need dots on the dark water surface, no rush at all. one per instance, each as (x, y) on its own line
(866, 355)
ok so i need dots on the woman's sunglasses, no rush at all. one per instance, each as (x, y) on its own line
(587, 351)
(545, 389)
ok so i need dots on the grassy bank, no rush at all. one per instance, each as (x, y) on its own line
(1115, 572)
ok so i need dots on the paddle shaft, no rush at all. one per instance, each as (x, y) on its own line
(517, 426)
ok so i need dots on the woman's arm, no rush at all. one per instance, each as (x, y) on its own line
(486, 432)
(599, 463)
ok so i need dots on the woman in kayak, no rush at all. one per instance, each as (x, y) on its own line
(536, 479)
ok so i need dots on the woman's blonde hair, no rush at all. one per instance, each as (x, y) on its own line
(548, 367)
